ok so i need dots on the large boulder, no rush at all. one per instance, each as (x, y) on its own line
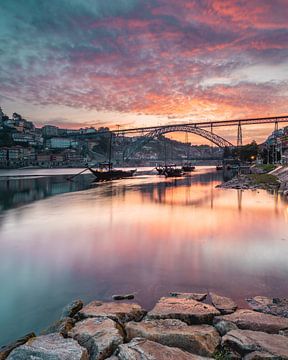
(121, 312)
(224, 304)
(72, 308)
(247, 341)
(224, 326)
(100, 336)
(142, 349)
(6, 350)
(194, 296)
(274, 306)
(187, 310)
(48, 347)
(251, 320)
(197, 339)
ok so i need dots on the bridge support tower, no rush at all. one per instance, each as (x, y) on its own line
(239, 135)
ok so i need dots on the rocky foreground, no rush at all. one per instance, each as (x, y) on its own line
(183, 326)
(275, 180)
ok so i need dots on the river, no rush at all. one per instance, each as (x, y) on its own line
(62, 240)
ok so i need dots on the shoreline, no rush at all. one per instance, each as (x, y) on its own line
(181, 326)
(275, 180)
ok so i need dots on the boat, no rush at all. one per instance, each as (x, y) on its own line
(173, 172)
(188, 167)
(162, 168)
(169, 170)
(107, 173)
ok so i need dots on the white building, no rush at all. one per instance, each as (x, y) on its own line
(60, 143)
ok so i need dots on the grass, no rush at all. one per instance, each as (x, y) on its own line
(267, 167)
(265, 179)
(221, 354)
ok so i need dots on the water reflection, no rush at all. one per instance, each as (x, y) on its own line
(19, 191)
(150, 235)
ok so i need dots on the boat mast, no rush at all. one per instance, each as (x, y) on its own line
(187, 146)
(165, 152)
(110, 151)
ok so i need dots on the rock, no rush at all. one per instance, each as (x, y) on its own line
(194, 296)
(61, 326)
(274, 306)
(100, 336)
(224, 327)
(72, 308)
(247, 341)
(123, 297)
(187, 310)
(142, 349)
(252, 320)
(121, 312)
(5, 350)
(48, 347)
(258, 355)
(197, 339)
(224, 304)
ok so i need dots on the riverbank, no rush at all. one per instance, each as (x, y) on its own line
(274, 180)
(181, 326)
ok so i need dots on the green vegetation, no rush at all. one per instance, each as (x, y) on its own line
(246, 153)
(265, 179)
(221, 354)
(5, 138)
(267, 167)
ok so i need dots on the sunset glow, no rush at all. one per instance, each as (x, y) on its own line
(134, 62)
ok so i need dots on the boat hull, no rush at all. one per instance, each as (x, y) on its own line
(169, 171)
(188, 168)
(173, 173)
(112, 174)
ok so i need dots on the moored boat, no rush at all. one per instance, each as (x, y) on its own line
(106, 173)
(188, 167)
(173, 172)
(162, 168)
(169, 170)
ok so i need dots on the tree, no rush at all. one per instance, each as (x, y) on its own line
(249, 152)
(6, 139)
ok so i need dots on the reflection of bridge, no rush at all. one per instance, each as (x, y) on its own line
(198, 128)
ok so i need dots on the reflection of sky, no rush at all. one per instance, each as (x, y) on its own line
(119, 238)
(136, 62)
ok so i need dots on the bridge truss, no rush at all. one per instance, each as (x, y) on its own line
(198, 128)
(157, 132)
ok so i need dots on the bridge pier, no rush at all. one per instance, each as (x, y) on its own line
(239, 135)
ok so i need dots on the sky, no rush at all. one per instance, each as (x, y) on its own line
(78, 63)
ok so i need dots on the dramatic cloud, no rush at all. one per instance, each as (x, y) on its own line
(184, 59)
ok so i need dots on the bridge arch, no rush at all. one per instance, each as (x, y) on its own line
(214, 138)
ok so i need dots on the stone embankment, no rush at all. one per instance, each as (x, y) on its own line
(274, 180)
(182, 326)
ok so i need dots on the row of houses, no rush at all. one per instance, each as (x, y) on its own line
(18, 156)
(277, 145)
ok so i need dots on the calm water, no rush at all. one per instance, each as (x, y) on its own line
(146, 235)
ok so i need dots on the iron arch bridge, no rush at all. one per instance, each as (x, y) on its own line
(155, 133)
